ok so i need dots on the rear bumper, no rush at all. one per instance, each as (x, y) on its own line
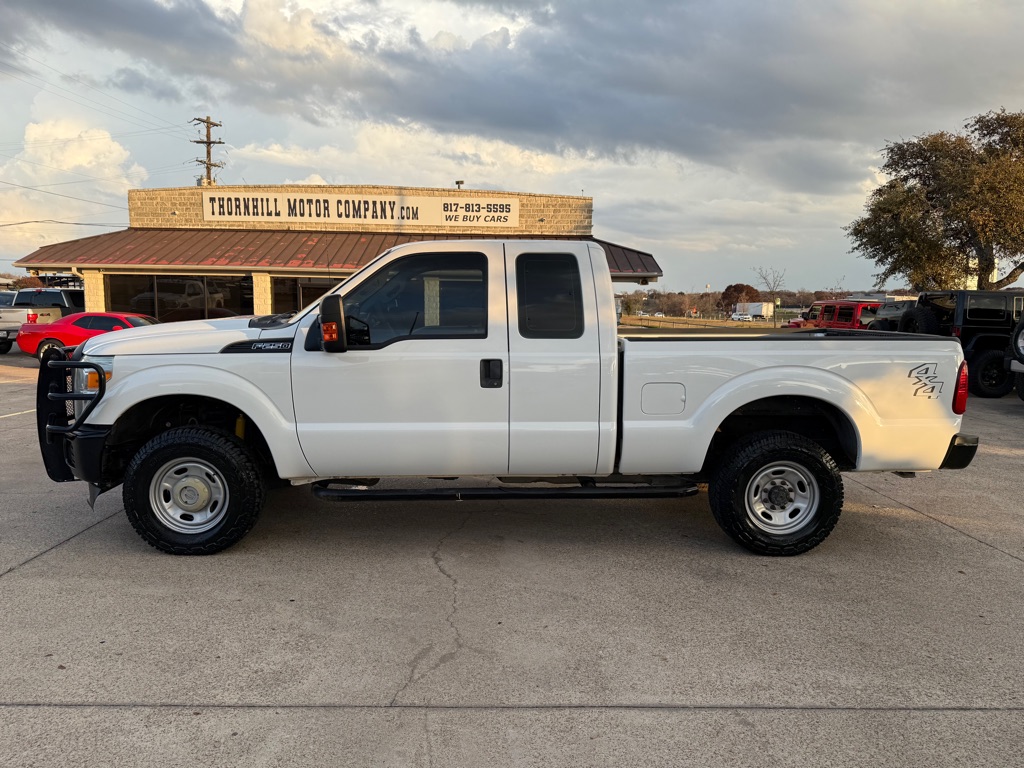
(961, 452)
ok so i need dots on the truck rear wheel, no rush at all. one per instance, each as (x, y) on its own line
(987, 375)
(777, 493)
(192, 491)
(5, 347)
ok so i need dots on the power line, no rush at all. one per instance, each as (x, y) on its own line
(58, 142)
(55, 221)
(86, 175)
(101, 108)
(94, 88)
(57, 194)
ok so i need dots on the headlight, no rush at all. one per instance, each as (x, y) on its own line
(87, 380)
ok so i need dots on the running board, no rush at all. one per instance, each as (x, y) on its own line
(324, 491)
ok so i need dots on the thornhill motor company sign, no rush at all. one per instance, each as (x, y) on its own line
(394, 211)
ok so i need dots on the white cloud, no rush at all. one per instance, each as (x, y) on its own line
(55, 152)
(713, 135)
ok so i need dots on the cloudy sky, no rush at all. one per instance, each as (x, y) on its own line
(720, 136)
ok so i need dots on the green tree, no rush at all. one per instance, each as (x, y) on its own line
(952, 209)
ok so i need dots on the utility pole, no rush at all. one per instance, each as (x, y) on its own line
(210, 165)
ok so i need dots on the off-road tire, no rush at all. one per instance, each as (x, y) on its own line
(1017, 341)
(776, 493)
(919, 320)
(193, 491)
(5, 347)
(987, 375)
(879, 325)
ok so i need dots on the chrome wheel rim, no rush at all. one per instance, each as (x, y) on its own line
(781, 498)
(188, 495)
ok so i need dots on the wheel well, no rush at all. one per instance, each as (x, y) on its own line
(145, 420)
(983, 342)
(816, 420)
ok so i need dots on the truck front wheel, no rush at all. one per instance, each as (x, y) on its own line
(192, 491)
(777, 493)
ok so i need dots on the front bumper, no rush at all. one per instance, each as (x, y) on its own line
(960, 452)
(1016, 366)
(71, 449)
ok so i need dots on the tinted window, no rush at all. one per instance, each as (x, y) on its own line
(138, 322)
(6, 298)
(181, 297)
(46, 299)
(84, 322)
(75, 298)
(437, 294)
(550, 296)
(107, 323)
(986, 307)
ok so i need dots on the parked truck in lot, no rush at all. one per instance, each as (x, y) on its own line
(37, 305)
(759, 310)
(498, 359)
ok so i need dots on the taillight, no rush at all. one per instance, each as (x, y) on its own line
(31, 317)
(960, 396)
(956, 331)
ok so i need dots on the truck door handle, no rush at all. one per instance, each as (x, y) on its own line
(491, 374)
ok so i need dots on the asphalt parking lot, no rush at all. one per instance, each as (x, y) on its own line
(580, 633)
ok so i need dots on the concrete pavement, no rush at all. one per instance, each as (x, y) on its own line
(515, 633)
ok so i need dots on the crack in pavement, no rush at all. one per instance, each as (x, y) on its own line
(933, 518)
(58, 544)
(423, 653)
(666, 706)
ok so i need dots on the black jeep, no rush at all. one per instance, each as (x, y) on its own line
(982, 320)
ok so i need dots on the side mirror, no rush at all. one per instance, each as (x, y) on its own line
(804, 315)
(117, 328)
(332, 324)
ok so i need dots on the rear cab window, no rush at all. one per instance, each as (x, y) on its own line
(550, 296)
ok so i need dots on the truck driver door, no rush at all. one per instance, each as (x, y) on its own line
(423, 387)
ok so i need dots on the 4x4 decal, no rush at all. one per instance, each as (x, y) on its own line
(926, 383)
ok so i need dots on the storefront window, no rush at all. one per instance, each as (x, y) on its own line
(291, 293)
(171, 298)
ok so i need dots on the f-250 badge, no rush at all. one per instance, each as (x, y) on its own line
(926, 383)
(271, 346)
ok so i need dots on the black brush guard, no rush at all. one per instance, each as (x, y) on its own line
(55, 410)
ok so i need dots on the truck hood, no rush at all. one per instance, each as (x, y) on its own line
(192, 337)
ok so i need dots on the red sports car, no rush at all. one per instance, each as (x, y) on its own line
(72, 330)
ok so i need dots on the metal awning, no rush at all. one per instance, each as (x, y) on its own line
(276, 251)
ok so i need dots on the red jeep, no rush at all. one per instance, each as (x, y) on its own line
(838, 313)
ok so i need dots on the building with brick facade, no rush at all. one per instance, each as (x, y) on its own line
(208, 251)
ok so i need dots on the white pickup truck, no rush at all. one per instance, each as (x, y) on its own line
(494, 359)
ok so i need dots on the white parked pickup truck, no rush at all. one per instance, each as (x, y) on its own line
(497, 359)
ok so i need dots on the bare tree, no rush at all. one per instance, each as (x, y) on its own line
(773, 281)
